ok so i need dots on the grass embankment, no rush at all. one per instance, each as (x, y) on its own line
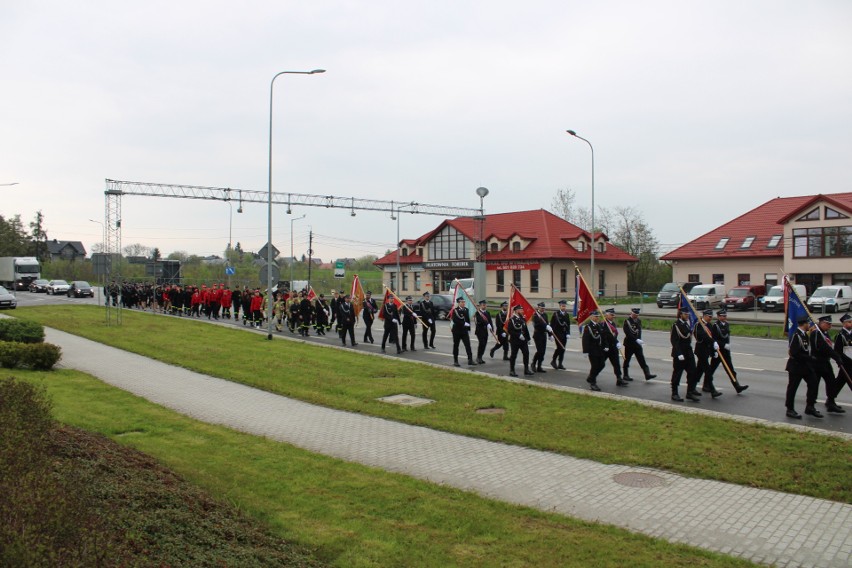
(609, 431)
(347, 514)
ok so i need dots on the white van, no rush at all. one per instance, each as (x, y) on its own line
(706, 296)
(831, 299)
(774, 299)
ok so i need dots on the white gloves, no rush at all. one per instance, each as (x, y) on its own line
(716, 355)
(640, 342)
(680, 357)
(430, 322)
(466, 324)
(503, 334)
(606, 349)
(728, 347)
(618, 345)
(715, 346)
(396, 322)
(549, 328)
(567, 337)
(489, 327)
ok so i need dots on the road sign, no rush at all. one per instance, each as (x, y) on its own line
(262, 253)
(263, 276)
(230, 270)
(339, 269)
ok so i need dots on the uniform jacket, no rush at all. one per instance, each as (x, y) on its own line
(483, 320)
(593, 341)
(540, 324)
(369, 309)
(391, 313)
(561, 323)
(518, 330)
(460, 317)
(632, 330)
(681, 339)
(427, 310)
(345, 313)
(703, 341)
(800, 352)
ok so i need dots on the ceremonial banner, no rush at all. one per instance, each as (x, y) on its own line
(517, 299)
(459, 291)
(584, 301)
(794, 308)
(388, 298)
(685, 306)
(358, 295)
(311, 294)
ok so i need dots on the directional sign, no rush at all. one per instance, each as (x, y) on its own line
(263, 276)
(262, 253)
(339, 269)
(230, 270)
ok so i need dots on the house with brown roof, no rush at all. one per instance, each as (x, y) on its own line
(534, 250)
(807, 237)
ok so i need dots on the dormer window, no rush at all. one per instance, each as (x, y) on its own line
(516, 246)
(722, 242)
(404, 252)
(747, 242)
(495, 247)
(581, 246)
(600, 247)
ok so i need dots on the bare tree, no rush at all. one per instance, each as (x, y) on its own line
(137, 249)
(630, 231)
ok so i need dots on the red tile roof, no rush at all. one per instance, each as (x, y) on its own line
(762, 223)
(549, 236)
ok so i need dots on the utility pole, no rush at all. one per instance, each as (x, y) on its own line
(310, 254)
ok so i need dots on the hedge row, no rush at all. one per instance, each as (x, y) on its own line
(21, 331)
(38, 356)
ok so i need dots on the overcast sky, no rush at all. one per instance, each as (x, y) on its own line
(698, 111)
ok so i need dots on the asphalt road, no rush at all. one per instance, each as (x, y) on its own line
(759, 364)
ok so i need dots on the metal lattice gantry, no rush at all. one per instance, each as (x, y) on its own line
(115, 189)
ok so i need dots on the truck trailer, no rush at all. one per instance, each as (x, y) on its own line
(16, 272)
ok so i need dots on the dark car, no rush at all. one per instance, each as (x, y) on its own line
(7, 300)
(669, 295)
(80, 289)
(443, 304)
(39, 285)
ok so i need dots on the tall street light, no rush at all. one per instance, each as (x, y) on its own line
(398, 247)
(291, 251)
(269, 203)
(594, 274)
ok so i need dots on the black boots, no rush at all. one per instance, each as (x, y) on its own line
(648, 375)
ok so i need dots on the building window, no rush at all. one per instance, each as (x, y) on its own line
(833, 214)
(516, 278)
(495, 247)
(693, 278)
(420, 251)
(563, 280)
(516, 246)
(601, 247)
(404, 281)
(601, 282)
(718, 279)
(417, 281)
(822, 242)
(812, 215)
(722, 242)
(743, 279)
(405, 252)
(449, 244)
(774, 241)
(393, 281)
(747, 242)
(533, 280)
(501, 283)
(581, 246)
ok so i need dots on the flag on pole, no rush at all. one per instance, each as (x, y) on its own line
(684, 305)
(311, 294)
(517, 299)
(794, 308)
(460, 292)
(389, 298)
(584, 301)
(358, 296)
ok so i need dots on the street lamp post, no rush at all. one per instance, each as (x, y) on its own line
(269, 203)
(291, 250)
(104, 277)
(480, 276)
(398, 247)
(592, 256)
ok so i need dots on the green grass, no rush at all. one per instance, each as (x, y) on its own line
(600, 429)
(768, 330)
(347, 514)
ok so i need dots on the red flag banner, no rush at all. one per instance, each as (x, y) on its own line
(358, 295)
(517, 299)
(584, 301)
(311, 294)
(388, 298)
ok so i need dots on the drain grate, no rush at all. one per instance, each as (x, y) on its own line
(406, 400)
(491, 410)
(638, 479)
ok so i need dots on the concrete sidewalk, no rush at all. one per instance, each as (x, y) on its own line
(760, 525)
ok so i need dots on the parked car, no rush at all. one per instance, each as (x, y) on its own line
(57, 287)
(37, 286)
(80, 289)
(7, 300)
(744, 297)
(831, 299)
(774, 299)
(706, 296)
(669, 295)
(443, 304)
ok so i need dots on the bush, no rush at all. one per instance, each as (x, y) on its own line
(37, 356)
(22, 331)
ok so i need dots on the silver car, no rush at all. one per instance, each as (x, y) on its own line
(57, 287)
(7, 300)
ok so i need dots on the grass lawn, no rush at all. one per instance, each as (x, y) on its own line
(347, 514)
(604, 430)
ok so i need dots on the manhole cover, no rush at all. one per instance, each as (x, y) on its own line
(491, 411)
(406, 400)
(637, 479)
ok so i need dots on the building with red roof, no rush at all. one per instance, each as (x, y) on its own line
(808, 237)
(534, 250)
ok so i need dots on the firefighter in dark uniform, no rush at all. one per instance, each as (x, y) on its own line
(484, 328)
(293, 314)
(306, 312)
(633, 345)
(502, 336)
(722, 336)
(800, 367)
(460, 319)
(409, 324)
(683, 358)
(843, 348)
(613, 345)
(346, 320)
(705, 349)
(321, 315)
(334, 304)
(519, 337)
(541, 331)
(368, 314)
(428, 315)
(390, 314)
(822, 349)
(560, 321)
(595, 347)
